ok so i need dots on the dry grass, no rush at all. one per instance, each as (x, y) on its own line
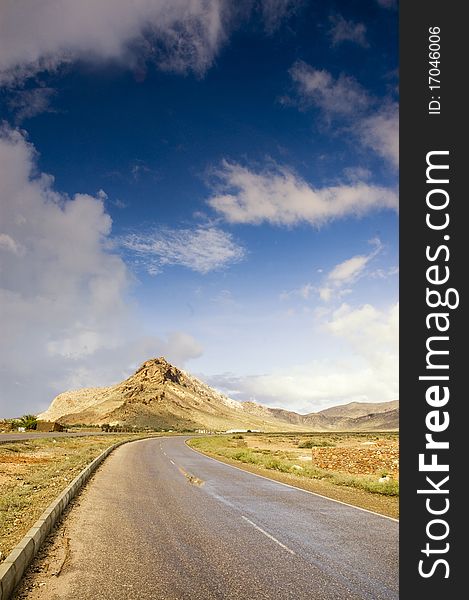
(34, 472)
(345, 466)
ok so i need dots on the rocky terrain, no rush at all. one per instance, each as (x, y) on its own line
(159, 395)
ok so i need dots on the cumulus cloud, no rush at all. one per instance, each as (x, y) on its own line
(347, 31)
(9, 244)
(63, 294)
(112, 365)
(280, 197)
(368, 374)
(374, 124)
(178, 35)
(203, 249)
(373, 334)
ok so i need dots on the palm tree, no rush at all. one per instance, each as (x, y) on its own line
(28, 422)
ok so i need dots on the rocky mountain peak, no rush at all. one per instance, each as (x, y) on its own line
(161, 396)
(158, 371)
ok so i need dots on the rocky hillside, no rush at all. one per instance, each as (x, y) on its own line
(360, 409)
(357, 416)
(162, 396)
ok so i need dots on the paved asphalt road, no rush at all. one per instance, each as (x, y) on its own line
(162, 522)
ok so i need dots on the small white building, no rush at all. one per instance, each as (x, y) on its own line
(243, 431)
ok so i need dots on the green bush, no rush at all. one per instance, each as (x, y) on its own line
(315, 444)
(28, 421)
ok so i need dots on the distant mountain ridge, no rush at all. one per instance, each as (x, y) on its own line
(359, 409)
(162, 396)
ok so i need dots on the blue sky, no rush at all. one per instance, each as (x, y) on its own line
(211, 181)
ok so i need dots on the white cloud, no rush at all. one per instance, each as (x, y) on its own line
(380, 132)
(347, 31)
(368, 373)
(108, 366)
(349, 269)
(384, 273)
(178, 35)
(337, 281)
(374, 125)
(342, 96)
(203, 249)
(355, 174)
(10, 245)
(63, 295)
(303, 292)
(280, 197)
(371, 332)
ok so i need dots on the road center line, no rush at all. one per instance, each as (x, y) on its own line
(171, 461)
(271, 537)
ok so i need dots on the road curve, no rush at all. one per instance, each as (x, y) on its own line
(160, 521)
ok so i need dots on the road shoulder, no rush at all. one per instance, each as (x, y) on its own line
(383, 505)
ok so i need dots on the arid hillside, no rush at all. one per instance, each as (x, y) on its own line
(159, 395)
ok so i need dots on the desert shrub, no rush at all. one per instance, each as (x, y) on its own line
(245, 456)
(315, 444)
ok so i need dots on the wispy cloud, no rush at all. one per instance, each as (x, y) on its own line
(280, 197)
(303, 292)
(380, 132)
(347, 31)
(374, 123)
(203, 249)
(29, 103)
(338, 281)
(275, 12)
(355, 174)
(387, 3)
(384, 273)
(140, 169)
(343, 96)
